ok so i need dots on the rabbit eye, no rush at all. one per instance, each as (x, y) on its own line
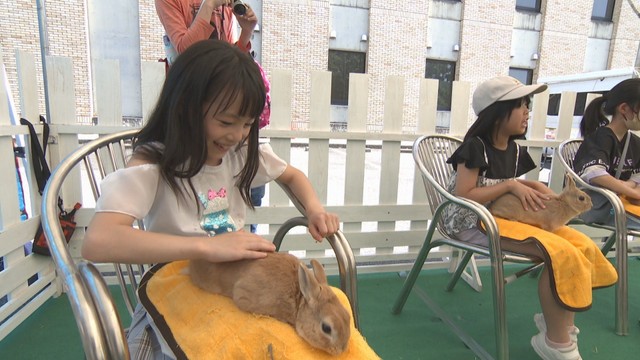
(581, 198)
(326, 328)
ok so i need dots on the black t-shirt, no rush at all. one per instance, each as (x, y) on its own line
(603, 148)
(495, 166)
(476, 153)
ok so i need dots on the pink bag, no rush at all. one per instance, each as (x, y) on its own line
(266, 113)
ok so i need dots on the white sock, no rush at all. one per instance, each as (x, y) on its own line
(556, 345)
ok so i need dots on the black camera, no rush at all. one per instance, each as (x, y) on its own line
(239, 8)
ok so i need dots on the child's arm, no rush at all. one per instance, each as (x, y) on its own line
(321, 223)
(111, 238)
(627, 188)
(466, 187)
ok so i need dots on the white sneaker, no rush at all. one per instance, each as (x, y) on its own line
(546, 352)
(542, 327)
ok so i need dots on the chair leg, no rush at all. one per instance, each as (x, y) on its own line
(415, 271)
(608, 244)
(499, 310)
(467, 269)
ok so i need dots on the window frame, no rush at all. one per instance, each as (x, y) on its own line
(344, 81)
(609, 9)
(445, 93)
(529, 72)
(535, 9)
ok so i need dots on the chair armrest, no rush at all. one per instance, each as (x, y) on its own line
(619, 214)
(480, 210)
(341, 248)
(115, 340)
(611, 196)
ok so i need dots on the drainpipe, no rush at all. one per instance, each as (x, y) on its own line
(44, 51)
(637, 12)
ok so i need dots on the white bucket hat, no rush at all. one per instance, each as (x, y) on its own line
(502, 88)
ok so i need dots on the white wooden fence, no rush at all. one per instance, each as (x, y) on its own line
(367, 178)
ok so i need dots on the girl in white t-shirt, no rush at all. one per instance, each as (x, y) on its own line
(193, 165)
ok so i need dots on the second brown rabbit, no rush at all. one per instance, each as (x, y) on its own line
(282, 287)
(570, 203)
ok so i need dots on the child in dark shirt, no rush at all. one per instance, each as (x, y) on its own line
(605, 143)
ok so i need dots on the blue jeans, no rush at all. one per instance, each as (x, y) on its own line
(257, 194)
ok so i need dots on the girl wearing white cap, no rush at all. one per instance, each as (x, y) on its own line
(487, 165)
(605, 143)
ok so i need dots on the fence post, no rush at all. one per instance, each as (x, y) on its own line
(63, 114)
(153, 74)
(390, 156)
(356, 149)
(108, 94)
(427, 113)
(459, 108)
(563, 132)
(320, 110)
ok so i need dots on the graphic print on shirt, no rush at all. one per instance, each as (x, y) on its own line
(215, 216)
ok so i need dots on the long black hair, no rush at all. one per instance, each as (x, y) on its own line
(595, 115)
(490, 119)
(208, 71)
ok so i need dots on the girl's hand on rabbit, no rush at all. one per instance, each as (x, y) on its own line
(235, 245)
(322, 224)
(530, 197)
(537, 185)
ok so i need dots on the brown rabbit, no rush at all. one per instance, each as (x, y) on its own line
(282, 287)
(559, 210)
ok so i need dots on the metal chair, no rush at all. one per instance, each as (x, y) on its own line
(566, 152)
(430, 154)
(96, 316)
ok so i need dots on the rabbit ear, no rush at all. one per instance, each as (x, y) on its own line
(318, 271)
(569, 180)
(309, 286)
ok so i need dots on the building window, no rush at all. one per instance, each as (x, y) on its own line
(341, 64)
(528, 5)
(524, 75)
(602, 10)
(445, 72)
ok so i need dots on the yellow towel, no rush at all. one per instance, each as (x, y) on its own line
(576, 263)
(200, 325)
(633, 210)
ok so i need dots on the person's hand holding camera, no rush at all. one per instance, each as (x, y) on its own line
(247, 21)
(244, 14)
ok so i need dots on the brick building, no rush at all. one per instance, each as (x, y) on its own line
(467, 40)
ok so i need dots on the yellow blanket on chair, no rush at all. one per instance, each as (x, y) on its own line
(631, 209)
(575, 262)
(201, 325)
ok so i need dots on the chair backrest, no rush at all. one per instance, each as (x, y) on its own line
(97, 318)
(567, 151)
(430, 153)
